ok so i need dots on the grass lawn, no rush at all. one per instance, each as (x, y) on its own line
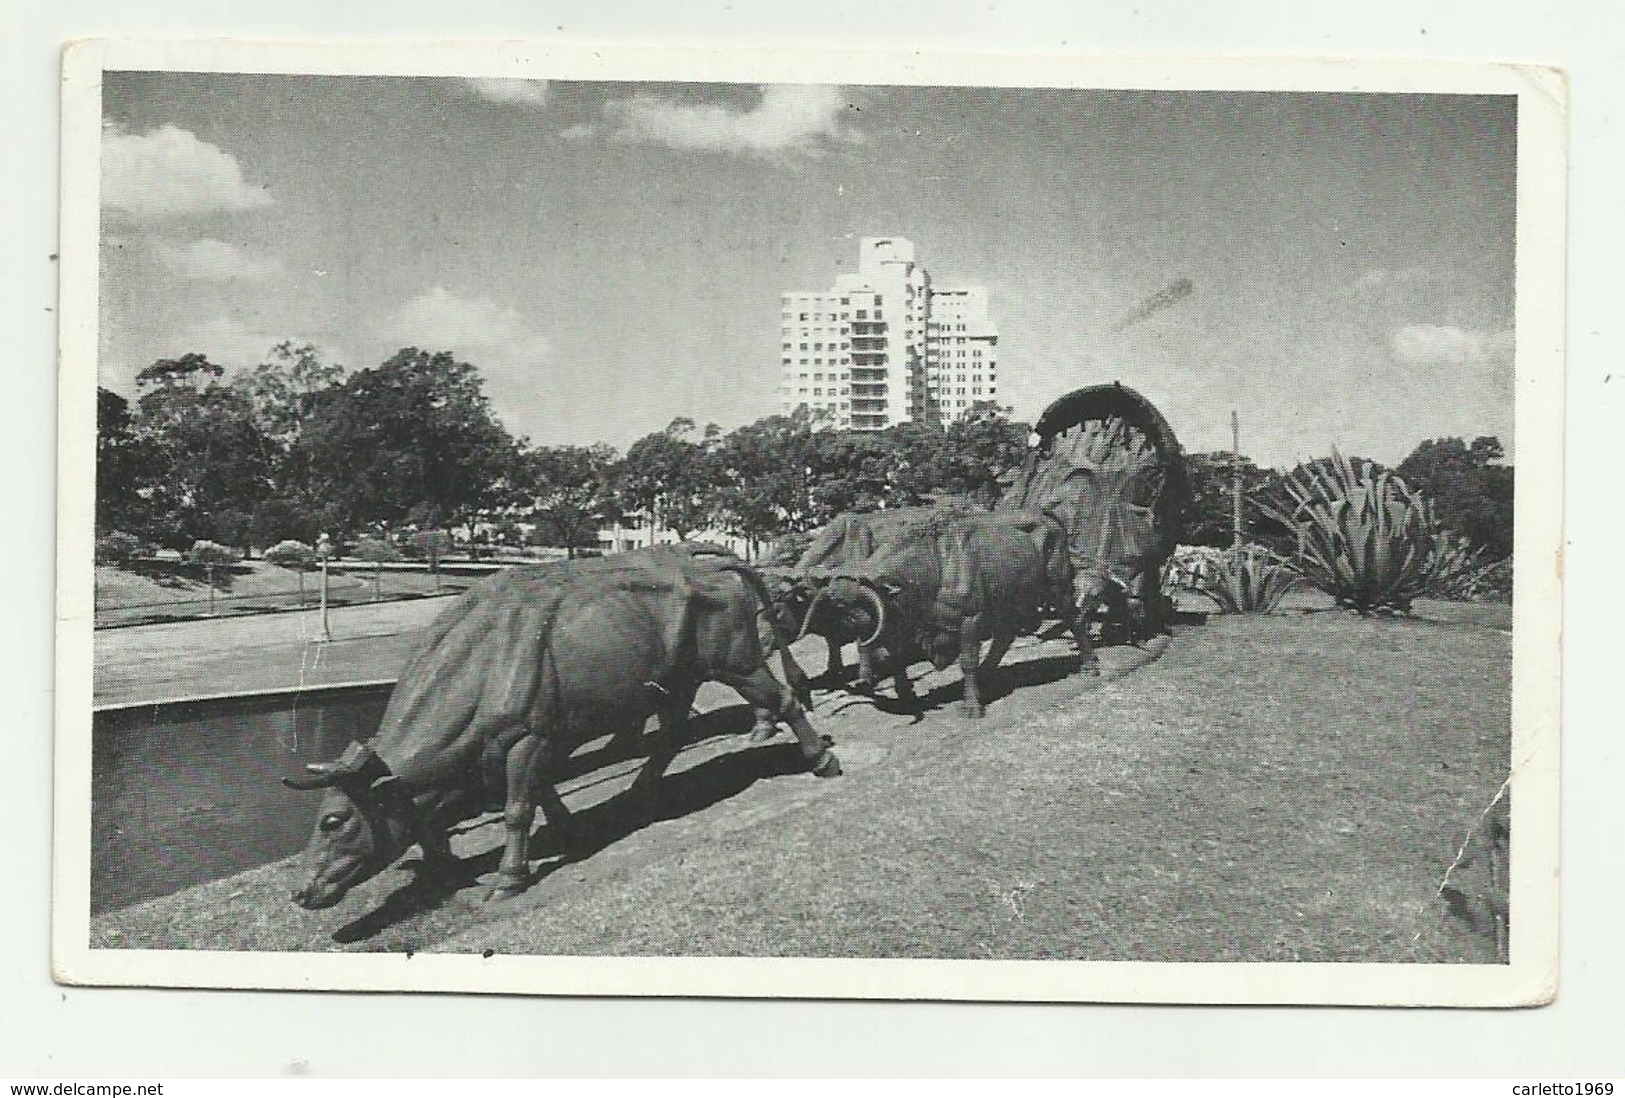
(248, 587)
(1274, 788)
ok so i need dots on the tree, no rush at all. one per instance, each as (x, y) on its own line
(296, 555)
(670, 479)
(916, 463)
(210, 464)
(567, 486)
(417, 430)
(124, 467)
(377, 551)
(1208, 518)
(283, 393)
(283, 389)
(848, 471)
(278, 518)
(979, 450)
(762, 481)
(1470, 488)
(211, 556)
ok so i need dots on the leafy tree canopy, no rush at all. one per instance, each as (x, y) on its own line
(1208, 516)
(417, 430)
(1470, 487)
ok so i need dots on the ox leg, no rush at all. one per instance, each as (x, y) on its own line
(1088, 662)
(557, 816)
(762, 690)
(905, 689)
(438, 860)
(995, 655)
(835, 670)
(518, 815)
(865, 682)
(645, 789)
(765, 728)
(1082, 609)
(1118, 614)
(970, 648)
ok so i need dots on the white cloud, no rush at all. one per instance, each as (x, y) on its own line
(507, 91)
(170, 172)
(474, 328)
(209, 260)
(1446, 345)
(789, 117)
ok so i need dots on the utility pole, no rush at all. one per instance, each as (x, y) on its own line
(1235, 482)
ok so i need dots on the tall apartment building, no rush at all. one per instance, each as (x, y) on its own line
(885, 346)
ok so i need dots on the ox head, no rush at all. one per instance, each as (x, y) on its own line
(367, 820)
(847, 606)
(790, 593)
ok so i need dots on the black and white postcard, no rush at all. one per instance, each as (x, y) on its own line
(680, 522)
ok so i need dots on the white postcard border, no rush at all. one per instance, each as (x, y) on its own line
(1529, 978)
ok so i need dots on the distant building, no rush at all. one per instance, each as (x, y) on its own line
(885, 346)
(624, 539)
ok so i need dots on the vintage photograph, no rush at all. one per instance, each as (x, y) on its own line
(1043, 530)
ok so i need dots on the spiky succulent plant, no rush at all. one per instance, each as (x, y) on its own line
(1364, 537)
(1252, 580)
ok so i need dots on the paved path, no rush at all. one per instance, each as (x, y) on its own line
(264, 652)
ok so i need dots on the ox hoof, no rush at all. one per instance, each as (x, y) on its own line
(763, 732)
(1091, 669)
(827, 766)
(865, 687)
(506, 888)
(971, 712)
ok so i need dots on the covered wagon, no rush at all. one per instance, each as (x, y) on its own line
(1107, 464)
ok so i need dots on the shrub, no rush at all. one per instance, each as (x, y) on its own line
(291, 554)
(376, 551)
(1494, 584)
(433, 544)
(1363, 536)
(1252, 580)
(119, 548)
(1189, 567)
(210, 553)
(1455, 569)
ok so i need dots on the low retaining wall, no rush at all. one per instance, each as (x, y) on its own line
(188, 791)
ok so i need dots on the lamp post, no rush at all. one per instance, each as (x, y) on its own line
(324, 548)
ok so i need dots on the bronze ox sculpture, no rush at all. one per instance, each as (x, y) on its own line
(521, 670)
(949, 583)
(846, 542)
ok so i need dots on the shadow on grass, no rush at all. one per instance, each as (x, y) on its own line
(1004, 681)
(1007, 679)
(601, 825)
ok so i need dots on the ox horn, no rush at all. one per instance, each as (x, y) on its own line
(806, 621)
(320, 775)
(874, 599)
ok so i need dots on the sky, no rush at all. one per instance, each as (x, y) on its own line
(1337, 268)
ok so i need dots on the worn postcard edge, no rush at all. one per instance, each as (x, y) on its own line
(1529, 979)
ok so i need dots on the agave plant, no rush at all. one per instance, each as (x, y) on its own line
(1363, 536)
(1252, 580)
(1454, 568)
